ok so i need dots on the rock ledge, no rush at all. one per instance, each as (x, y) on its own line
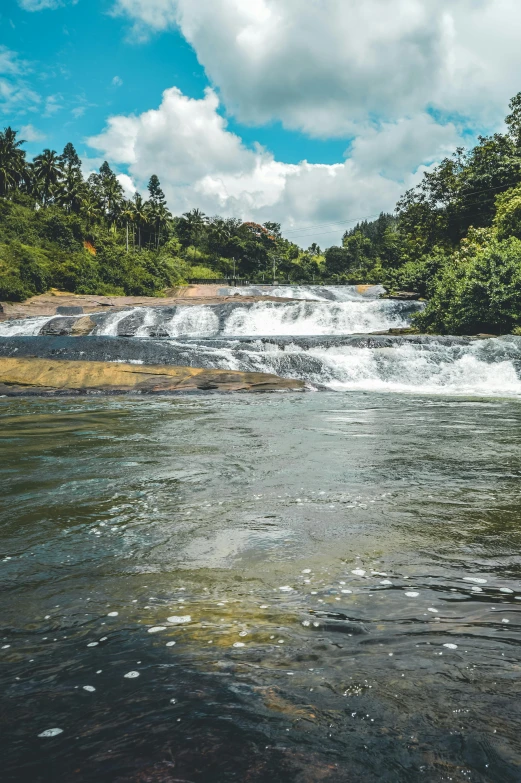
(30, 376)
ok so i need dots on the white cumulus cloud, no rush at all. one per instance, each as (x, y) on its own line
(31, 134)
(325, 66)
(201, 163)
(16, 95)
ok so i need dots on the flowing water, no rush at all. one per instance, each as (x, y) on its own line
(287, 588)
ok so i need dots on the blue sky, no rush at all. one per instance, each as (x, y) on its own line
(312, 114)
(75, 53)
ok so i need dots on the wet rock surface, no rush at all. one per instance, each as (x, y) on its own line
(22, 376)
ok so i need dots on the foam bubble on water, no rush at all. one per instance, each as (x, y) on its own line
(170, 644)
(112, 614)
(89, 688)
(306, 623)
(286, 589)
(51, 733)
(359, 572)
(476, 589)
(476, 579)
(157, 629)
(131, 675)
(386, 582)
(6, 646)
(264, 606)
(347, 592)
(412, 595)
(93, 644)
(306, 571)
(505, 590)
(239, 644)
(432, 609)
(505, 620)
(451, 646)
(179, 619)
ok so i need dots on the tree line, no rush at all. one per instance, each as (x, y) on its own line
(455, 238)
(120, 245)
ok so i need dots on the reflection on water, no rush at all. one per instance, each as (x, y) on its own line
(308, 588)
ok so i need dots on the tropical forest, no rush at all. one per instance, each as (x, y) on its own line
(454, 239)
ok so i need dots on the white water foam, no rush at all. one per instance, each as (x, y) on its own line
(338, 293)
(486, 368)
(265, 319)
(404, 368)
(109, 327)
(26, 327)
(195, 321)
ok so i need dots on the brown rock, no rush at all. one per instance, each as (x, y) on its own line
(82, 326)
(42, 376)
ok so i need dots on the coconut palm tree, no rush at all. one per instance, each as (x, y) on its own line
(127, 216)
(13, 168)
(192, 226)
(163, 215)
(140, 214)
(70, 191)
(48, 171)
(90, 208)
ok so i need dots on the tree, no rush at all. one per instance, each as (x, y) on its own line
(48, 172)
(90, 208)
(477, 291)
(157, 196)
(191, 227)
(336, 261)
(13, 168)
(70, 158)
(139, 213)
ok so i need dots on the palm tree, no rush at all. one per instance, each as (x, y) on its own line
(163, 215)
(70, 192)
(48, 170)
(127, 215)
(192, 225)
(140, 213)
(90, 208)
(113, 197)
(158, 215)
(13, 168)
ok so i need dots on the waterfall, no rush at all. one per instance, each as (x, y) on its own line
(332, 337)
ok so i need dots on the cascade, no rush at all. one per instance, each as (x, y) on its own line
(327, 336)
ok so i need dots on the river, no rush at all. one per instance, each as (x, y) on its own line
(289, 587)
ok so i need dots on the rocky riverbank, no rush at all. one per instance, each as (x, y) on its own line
(56, 302)
(33, 376)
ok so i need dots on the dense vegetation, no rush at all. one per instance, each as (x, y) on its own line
(455, 238)
(58, 230)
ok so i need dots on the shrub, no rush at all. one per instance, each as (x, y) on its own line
(481, 293)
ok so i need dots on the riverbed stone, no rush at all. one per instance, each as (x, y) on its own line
(22, 376)
(83, 326)
(76, 310)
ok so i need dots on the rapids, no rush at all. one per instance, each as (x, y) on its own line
(331, 337)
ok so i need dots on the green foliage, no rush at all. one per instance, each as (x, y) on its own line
(455, 238)
(508, 213)
(199, 272)
(477, 293)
